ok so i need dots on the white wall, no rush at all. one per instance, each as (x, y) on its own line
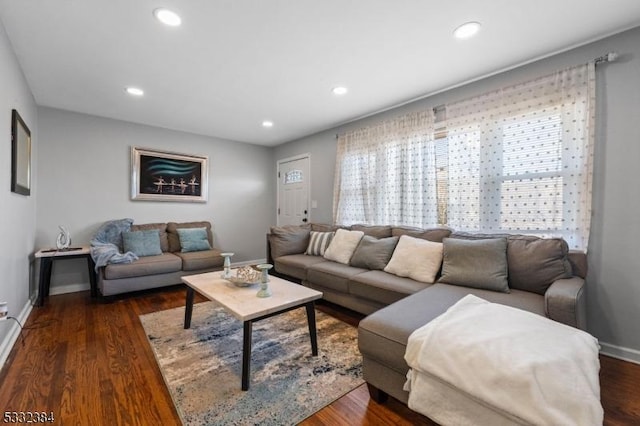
(613, 283)
(85, 177)
(17, 212)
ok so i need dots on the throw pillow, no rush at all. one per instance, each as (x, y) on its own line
(373, 253)
(476, 263)
(342, 246)
(142, 243)
(288, 239)
(318, 243)
(193, 239)
(416, 258)
(162, 229)
(535, 263)
(174, 238)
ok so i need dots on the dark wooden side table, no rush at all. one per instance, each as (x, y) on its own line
(48, 256)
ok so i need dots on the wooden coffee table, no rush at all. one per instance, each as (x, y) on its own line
(243, 303)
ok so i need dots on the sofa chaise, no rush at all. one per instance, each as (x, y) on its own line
(539, 275)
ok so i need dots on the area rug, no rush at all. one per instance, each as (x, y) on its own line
(202, 366)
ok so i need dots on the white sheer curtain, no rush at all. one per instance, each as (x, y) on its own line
(520, 159)
(385, 174)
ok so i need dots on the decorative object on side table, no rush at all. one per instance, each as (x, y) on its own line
(264, 291)
(64, 238)
(227, 265)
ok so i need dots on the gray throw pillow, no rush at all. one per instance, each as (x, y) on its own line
(373, 253)
(535, 263)
(142, 243)
(288, 239)
(476, 263)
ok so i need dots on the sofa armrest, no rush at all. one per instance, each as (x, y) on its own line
(269, 256)
(565, 302)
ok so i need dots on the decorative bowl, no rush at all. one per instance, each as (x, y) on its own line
(246, 276)
(239, 282)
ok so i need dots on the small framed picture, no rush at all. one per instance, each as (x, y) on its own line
(168, 176)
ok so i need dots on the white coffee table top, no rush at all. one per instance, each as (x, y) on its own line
(242, 302)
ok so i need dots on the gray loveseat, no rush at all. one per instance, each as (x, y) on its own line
(160, 270)
(542, 276)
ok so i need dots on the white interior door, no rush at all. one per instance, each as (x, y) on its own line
(293, 191)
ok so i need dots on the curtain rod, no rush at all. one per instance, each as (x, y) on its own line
(609, 57)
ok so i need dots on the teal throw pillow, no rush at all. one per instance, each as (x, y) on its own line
(142, 243)
(193, 239)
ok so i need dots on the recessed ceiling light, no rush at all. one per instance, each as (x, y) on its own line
(134, 91)
(167, 17)
(467, 30)
(267, 123)
(340, 90)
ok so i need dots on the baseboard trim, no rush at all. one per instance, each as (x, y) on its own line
(10, 339)
(70, 288)
(620, 352)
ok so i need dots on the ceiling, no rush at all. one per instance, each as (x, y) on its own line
(234, 63)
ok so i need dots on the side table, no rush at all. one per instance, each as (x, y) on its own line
(48, 256)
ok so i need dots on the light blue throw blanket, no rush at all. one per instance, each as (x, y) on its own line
(106, 245)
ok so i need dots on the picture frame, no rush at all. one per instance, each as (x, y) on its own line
(20, 155)
(168, 176)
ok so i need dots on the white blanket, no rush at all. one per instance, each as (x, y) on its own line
(528, 367)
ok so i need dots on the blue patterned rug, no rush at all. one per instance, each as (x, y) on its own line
(202, 366)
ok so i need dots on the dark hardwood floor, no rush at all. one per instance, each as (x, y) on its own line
(89, 363)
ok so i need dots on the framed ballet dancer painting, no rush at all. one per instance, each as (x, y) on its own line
(168, 176)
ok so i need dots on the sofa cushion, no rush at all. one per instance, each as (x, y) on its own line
(535, 263)
(202, 259)
(318, 243)
(324, 227)
(193, 239)
(174, 239)
(142, 243)
(383, 335)
(476, 263)
(332, 275)
(416, 258)
(288, 239)
(149, 265)
(373, 253)
(433, 234)
(162, 231)
(295, 265)
(382, 287)
(342, 246)
(373, 230)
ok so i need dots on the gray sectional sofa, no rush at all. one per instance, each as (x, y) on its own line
(160, 270)
(538, 275)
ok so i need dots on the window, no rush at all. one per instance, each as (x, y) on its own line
(516, 160)
(293, 176)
